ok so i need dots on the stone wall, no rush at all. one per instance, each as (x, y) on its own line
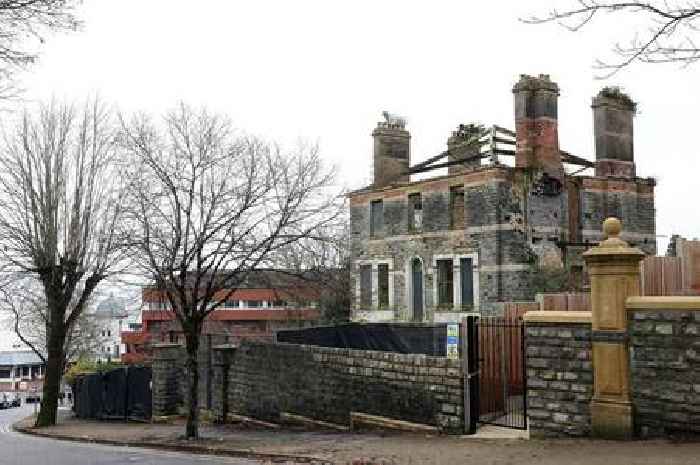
(327, 384)
(664, 354)
(169, 376)
(559, 378)
(665, 369)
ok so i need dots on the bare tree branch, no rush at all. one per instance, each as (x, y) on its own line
(22, 297)
(23, 26)
(668, 36)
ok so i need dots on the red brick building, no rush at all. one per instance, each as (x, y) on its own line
(268, 301)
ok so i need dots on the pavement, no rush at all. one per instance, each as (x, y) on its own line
(21, 449)
(253, 445)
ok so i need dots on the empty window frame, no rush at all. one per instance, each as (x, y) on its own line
(366, 286)
(466, 269)
(383, 285)
(457, 207)
(445, 283)
(415, 212)
(376, 218)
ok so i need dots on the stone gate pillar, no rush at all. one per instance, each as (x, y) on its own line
(222, 359)
(166, 379)
(613, 267)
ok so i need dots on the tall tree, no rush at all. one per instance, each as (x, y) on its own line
(23, 26)
(208, 207)
(670, 29)
(58, 219)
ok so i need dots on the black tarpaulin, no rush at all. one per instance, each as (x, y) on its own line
(402, 338)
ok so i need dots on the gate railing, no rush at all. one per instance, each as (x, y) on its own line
(495, 382)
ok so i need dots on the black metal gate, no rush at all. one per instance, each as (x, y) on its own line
(495, 381)
(122, 393)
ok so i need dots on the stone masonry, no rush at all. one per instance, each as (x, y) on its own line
(327, 384)
(665, 369)
(559, 379)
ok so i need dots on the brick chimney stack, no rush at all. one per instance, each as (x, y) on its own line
(613, 111)
(392, 152)
(459, 148)
(537, 139)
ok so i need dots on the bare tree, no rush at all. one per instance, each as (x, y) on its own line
(23, 24)
(670, 30)
(58, 219)
(209, 207)
(23, 301)
(324, 267)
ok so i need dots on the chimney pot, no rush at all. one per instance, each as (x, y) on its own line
(392, 153)
(613, 113)
(536, 125)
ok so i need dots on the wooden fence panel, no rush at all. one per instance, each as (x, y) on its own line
(662, 276)
(564, 301)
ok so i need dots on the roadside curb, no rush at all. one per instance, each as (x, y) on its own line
(193, 449)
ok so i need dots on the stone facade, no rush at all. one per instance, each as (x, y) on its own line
(502, 221)
(632, 201)
(665, 370)
(327, 384)
(559, 379)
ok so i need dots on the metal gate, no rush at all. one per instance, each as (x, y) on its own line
(495, 382)
(122, 393)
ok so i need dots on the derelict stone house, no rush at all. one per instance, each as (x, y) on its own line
(469, 240)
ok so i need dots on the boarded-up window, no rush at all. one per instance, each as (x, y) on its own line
(376, 218)
(366, 286)
(383, 285)
(415, 212)
(467, 282)
(445, 283)
(457, 207)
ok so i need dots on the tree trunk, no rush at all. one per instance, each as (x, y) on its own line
(192, 365)
(52, 376)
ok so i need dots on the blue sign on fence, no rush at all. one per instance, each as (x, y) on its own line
(452, 348)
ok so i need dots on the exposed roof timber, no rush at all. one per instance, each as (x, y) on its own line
(428, 164)
(490, 139)
(501, 140)
(421, 169)
(429, 161)
(571, 159)
(510, 153)
(504, 130)
(566, 157)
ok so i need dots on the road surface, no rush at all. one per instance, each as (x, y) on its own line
(20, 449)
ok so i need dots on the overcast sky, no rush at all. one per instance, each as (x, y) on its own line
(324, 71)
